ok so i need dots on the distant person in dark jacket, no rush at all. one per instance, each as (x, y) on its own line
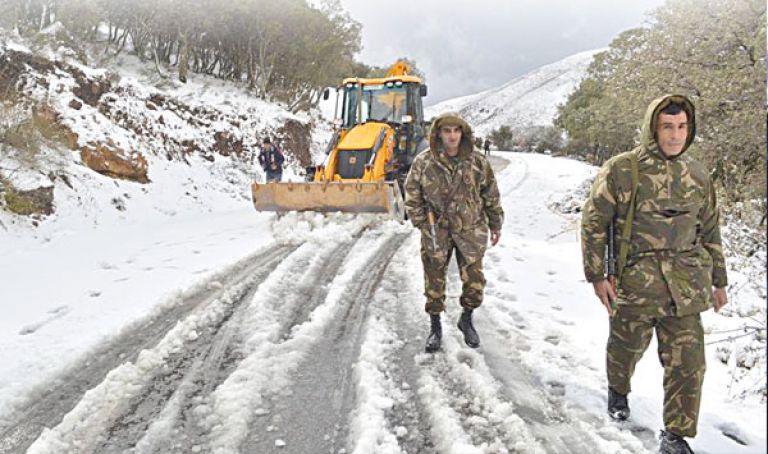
(487, 147)
(271, 160)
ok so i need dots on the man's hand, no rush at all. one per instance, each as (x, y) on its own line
(606, 293)
(495, 236)
(721, 298)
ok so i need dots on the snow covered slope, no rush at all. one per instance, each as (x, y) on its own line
(184, 148)
(528, 100)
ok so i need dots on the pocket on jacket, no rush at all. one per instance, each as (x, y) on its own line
(642, 278)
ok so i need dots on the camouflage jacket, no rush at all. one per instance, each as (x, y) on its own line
(675, 247)
(475, 206)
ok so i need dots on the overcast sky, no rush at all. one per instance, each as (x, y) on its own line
(468, 46)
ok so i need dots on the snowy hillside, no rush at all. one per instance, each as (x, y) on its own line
(119, 143)
(528, 100)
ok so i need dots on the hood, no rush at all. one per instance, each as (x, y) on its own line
(648, 134)
(466, 146)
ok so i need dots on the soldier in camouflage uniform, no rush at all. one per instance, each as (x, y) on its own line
(674, 269)
(455, 185)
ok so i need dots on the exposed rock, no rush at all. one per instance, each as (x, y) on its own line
(75, 104)
(157, 99)
(19, 67)
(48, 121)
(30, 202)
(15, 66)
(110, 162)
(89, 90)
(296, 139)
(190, 146)
(225, 144)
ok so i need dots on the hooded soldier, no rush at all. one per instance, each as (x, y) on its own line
(673, 266)
(452, 197)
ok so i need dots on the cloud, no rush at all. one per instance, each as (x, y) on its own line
(465, 47)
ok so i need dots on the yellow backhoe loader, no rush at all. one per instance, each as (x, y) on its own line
(379, 132)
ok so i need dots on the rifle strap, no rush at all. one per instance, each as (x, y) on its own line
(627, 230)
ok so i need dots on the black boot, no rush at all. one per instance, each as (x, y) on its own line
(465, 325)
(618, 406)
(673, 444)
(435, 334)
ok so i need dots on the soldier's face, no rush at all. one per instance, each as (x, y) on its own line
(450, 136)
(671, 133)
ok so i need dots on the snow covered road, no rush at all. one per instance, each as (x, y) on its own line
(312, 342)
(61, 396)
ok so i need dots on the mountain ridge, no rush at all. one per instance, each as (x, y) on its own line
(524, 101)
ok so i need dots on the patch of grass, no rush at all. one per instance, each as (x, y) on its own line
(15, 202)
(25, 203)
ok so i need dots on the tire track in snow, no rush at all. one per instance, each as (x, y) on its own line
(389, 418)
(310, 413)
(460, 382)
(112, 411)
(59, 396)
(513, 164)
(183, 429)
(196, 368)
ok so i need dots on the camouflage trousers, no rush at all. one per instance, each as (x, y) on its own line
(435, 271)
(681, 352)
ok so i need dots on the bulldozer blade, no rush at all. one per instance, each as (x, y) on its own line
(377, 197)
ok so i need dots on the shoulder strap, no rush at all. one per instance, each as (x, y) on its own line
(627, 231)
